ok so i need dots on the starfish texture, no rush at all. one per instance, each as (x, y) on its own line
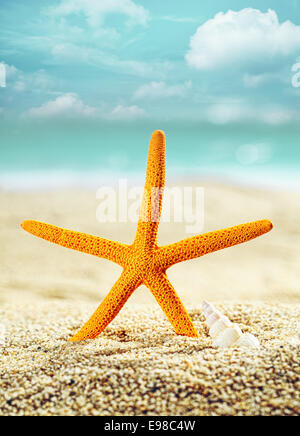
(144, 262)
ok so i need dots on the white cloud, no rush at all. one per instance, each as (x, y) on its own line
(239, 111)
(121, 112)
(71, 106)
(156, 90)
(241, 38)
(71, 53)
(67, 105)
(36, 81)
(96, 10)
(20, 81)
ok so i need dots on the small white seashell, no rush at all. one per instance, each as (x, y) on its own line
(229, 337)
(248, 340)
(219, 326)
(223, 332)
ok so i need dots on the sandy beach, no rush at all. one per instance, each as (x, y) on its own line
(138, 365)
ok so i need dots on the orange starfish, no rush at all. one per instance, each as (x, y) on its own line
(144, 261)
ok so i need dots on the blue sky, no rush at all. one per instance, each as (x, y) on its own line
(122, 59)
(151, 63)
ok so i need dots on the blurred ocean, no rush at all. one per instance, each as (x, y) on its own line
(85, 154)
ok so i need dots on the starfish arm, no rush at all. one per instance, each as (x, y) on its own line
(150, 210)
(197, 246)
(155, 174)
(110, 306)
(94, 245)
(172, 306)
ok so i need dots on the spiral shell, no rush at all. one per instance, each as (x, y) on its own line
(223, 332)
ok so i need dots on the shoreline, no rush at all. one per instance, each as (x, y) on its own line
(286, 180)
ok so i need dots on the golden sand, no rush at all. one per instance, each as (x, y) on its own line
(139, 366)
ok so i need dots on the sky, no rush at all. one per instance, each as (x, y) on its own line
(117, 69)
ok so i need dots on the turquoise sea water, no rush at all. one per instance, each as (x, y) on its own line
(84, 153)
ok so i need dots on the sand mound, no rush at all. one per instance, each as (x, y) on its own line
(139, 366)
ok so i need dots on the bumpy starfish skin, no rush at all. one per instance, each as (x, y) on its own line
(144, 262)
